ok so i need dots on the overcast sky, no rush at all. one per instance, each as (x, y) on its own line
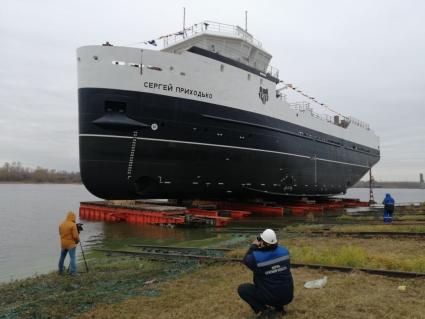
(364, 58)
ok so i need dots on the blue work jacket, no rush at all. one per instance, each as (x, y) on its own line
(272, 272)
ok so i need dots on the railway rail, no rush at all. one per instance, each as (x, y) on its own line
(330, 233)
(172, 256)
(177, 248)
(364, 234)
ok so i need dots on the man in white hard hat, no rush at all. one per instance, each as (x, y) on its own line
(273, 284)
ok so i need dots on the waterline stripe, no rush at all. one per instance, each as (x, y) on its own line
(220, 145)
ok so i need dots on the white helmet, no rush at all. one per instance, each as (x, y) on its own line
(269, 236)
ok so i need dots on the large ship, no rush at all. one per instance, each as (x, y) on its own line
(206, 117)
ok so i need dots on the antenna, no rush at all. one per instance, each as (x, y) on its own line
(184, 19)
(246, 20)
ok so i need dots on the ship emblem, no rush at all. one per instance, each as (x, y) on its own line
(263, 94)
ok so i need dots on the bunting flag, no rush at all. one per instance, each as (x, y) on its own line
(153, 41)
(297, 90)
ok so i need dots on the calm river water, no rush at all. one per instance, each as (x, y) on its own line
(30, 215)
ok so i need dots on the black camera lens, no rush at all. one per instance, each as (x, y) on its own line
(259, 238)
(79, 227)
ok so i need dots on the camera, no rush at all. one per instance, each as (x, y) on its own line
(80, 227)
(259, 238)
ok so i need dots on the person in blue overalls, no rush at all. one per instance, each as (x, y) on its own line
(273, 284)
(388, 208)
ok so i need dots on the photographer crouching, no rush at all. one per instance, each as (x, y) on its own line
(273, 284)
(69, 234)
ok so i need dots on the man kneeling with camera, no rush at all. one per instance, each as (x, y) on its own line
(273, 284)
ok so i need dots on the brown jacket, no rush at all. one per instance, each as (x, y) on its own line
(68, 232)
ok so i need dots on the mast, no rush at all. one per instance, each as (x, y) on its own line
(246, 20)
(184, 20)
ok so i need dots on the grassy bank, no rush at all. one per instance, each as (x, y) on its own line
(210, 292)
(123, 287)
(359, 228)
(379, 253)
(406, 254)
(110, 280)
(134, 289)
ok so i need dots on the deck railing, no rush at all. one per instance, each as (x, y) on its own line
(274, 72)
(360, 123)
(210, 27)
(342, 121)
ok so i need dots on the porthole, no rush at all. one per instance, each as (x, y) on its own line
(95, 57)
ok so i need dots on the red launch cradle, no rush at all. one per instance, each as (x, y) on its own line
(220, 215)
(101, 211)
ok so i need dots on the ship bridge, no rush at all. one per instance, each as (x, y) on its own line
(224, 40)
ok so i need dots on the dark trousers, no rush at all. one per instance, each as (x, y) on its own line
(252, 296)
(388, 216)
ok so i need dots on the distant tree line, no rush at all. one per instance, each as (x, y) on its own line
(389, 184)
(15, 172)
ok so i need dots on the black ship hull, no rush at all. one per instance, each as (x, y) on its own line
(142, 145)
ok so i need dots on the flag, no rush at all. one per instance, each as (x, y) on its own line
(152, 42)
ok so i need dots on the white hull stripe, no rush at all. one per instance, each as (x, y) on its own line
(220, 145)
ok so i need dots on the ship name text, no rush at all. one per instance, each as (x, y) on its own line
(177, 89)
